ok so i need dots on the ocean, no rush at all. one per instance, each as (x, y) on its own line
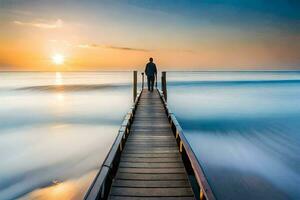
(244, 129)
(57, 127)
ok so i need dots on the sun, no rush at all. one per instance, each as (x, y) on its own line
(58, 59)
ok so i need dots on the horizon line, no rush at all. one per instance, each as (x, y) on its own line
(229, 70)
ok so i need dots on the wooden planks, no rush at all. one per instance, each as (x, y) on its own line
(151, 166)
(149, 198)
(151, 184)
(156, 192)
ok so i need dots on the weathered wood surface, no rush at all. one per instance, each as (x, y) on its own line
(151, 167)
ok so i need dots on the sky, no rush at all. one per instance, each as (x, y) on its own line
(43, 35)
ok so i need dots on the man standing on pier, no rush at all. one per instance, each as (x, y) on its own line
(151, 73)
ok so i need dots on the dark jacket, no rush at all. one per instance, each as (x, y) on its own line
(150, 69)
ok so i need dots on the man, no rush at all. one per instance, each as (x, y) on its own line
(151, 73)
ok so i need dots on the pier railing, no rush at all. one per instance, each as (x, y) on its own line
(190, 160)
(101, 185)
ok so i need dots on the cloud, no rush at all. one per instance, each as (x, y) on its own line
(127, 48)
(42, 24)
(22, 12)
(87, 46)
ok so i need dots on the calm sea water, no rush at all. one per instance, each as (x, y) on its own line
(56, 129)
(244, 128)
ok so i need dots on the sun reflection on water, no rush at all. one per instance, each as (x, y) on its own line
(59, 83)
(59, 97)
(74, 189)
(58, 78)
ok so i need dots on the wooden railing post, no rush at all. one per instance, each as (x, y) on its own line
(134, 85)
(142, 80)
(202, 197)
(164, 84)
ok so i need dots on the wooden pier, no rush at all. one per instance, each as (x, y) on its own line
(150, 164)
(150, 158)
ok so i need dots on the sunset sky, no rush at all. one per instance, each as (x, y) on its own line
(60, 35)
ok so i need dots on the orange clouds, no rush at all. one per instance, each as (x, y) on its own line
(41, 24)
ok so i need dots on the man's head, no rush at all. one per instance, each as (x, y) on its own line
(151, 59)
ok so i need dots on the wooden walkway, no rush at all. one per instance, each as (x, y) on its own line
(150, 165)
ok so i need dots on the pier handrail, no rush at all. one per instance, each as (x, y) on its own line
(185, 148)
(100, 187)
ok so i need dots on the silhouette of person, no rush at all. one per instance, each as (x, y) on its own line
(151, 73)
